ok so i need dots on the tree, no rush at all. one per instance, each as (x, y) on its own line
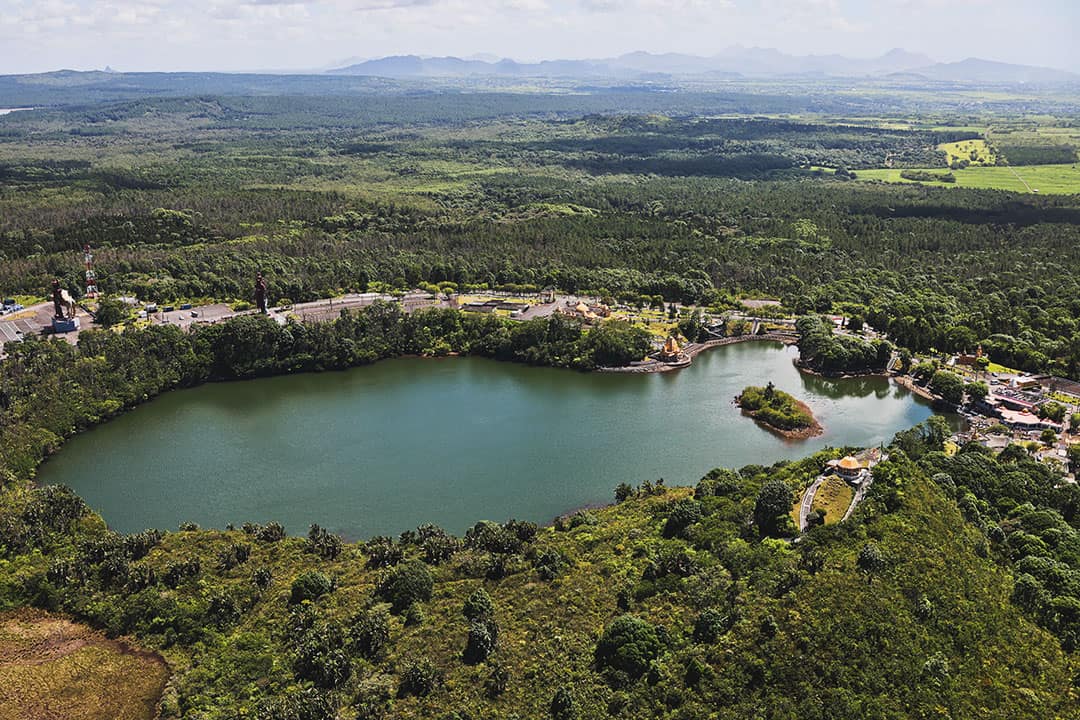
(478, 606)
(1074, 422)
(1073, 453)
(684, 513)
(773, 507)
(976, 391)
(111, 311)
(870, 561)
(310, 586)
(629, 645)
(1052, 410)
(948, 385)
(562, 705)
(1048, 437)
(406, 584)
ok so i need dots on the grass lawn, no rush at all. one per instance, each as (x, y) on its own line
(51, 667)
(1046, 179)
(975, 152)
(834, 496)
(996, 368)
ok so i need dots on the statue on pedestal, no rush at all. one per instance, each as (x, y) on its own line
(260, 293)
(63, 303)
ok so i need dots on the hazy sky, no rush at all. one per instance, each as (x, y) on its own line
(39, 35)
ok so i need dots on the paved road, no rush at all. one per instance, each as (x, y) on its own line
(859, 495)
(33, 321)
(808, 502)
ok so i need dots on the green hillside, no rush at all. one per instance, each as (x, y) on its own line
(729, 624)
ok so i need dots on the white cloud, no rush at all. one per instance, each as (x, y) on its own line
(249, 34)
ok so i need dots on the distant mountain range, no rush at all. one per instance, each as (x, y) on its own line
(733, 62)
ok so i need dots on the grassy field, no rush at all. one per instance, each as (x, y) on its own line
(1045, 179)
(834, 497)
(976, 152)
(53, 668)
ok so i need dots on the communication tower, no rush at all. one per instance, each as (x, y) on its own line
(91, 278)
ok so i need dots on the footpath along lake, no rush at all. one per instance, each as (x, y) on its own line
(381, 449)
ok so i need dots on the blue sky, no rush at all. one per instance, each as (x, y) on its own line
(39, 35)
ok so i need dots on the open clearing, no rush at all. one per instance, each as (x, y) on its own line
(976, 152)
(834, 497)
(53, 668)
(1046, 179)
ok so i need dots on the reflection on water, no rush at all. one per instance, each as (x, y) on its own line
(380, 449)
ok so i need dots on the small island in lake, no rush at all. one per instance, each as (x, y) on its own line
(778, 412)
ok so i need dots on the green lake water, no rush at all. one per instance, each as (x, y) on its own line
(381, 449)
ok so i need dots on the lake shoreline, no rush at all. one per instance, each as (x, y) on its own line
(692, 350)
(355, 451)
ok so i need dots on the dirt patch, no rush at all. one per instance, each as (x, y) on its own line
(53, 669)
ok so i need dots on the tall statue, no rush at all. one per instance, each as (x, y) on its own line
(57, 300)
(260, 293)
(63, 303)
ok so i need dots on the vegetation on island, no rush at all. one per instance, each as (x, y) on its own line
(778, 410)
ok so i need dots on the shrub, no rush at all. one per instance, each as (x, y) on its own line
(233, 555)
(222, 610)
(414, 615)
(710, 625)
(271, 532)
(310, 586)
(307, 704)
(549, 564)
(323, 543)
(438, 546)
(420, 678)
(562, 705)
(629, 645)
(496, 682)
(483, 635)
(383, 552)
(262, 577)
(478, 606)
(370, 634)
(406, 584)
(684, 513)
(321, 657)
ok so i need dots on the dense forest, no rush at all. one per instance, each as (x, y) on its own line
(181, 202)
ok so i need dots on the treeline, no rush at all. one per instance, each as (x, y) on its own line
(39, 406)
(825, 352)
(1038, 154)
(926, 176)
